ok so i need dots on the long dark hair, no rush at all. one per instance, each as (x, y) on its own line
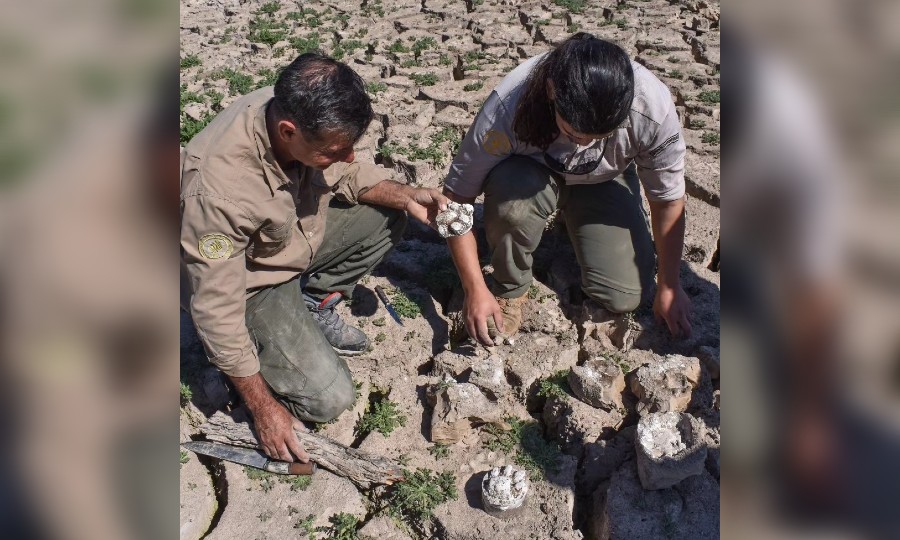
(321, 95)
(594, 86)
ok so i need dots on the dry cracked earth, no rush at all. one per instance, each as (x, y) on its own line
(617, 424)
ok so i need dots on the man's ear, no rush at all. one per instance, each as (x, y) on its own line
(287, 130)
(551, 92)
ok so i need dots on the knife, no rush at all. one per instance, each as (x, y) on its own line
(252, 458)
(390, 308)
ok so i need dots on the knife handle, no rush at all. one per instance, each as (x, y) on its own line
(283, 467)
(380, 292)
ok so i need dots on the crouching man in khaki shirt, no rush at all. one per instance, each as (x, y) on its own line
(278, 223)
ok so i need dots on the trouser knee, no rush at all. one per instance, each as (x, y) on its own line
(519, 193)
(613, 300)
(328, 405)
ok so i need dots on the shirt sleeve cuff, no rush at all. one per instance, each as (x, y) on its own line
(359, 178)
(244, 364)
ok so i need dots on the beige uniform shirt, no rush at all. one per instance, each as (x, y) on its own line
(650, 137)
(246, 223)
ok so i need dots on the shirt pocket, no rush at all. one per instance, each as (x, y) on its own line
(271, 240)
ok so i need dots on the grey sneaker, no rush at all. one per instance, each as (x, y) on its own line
(345, 339)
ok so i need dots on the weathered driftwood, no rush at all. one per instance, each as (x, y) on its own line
(362, 468)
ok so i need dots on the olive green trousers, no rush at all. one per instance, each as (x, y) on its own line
(606, 223)
(298, 363)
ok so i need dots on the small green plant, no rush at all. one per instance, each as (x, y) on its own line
(380, 337)
(342, 527)
(405, 307)
(190, 61)
(306, 525)
(411, 62)
(620, 360)
(184, 457)
(191, 127)
(187, 96)
(264, 516)
(621, 23)
(298, 15)
(440, 451)
(536, 454)
(278, 52)
(676, 74)
(445, 60)
(423, 44)
(269, 78)
(504, 440)
(381, 415)
(397, 47)
(297, 482)
(345, 47)
(192, 486)
(376, 88)
(572, 28)
(238, 83)
(532, 451)
(269, 8)
(409, 335)
(572, 6)
(215, 97)
(471, 87)
(674, 59)
(265, 478)
(390, 148)
(448, 135)
(533, 292)
(697, 123)
(265, 30)
(379, 321)
(709, 96)
(555, 385)
(292, 510)
(424, 79)
(415, 499)
(374, 8)
(307, 44)
(186, 393)
(710, 137)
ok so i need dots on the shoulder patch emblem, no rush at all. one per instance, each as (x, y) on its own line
(496, 143)
(216, 246)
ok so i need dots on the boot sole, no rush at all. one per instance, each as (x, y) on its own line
(344, 352)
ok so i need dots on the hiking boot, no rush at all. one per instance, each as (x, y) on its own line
(345, 339)
(512, 316)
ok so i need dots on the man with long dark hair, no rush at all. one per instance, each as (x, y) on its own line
(574, 129)
(276, 213)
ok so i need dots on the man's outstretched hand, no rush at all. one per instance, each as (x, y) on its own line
(673, 307)
(425, 203)
(274, 424)
(275, 428)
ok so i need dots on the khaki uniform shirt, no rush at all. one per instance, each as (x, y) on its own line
(247, 224)
(650, 137)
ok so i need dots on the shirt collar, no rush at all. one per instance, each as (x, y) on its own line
(275, 175)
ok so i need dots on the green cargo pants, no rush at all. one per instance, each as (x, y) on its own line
(606, 224)
(296, 360)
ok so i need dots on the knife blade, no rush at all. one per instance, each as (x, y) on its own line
(387, 304)
(252, 458)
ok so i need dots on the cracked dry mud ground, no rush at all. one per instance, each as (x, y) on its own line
(429, 64)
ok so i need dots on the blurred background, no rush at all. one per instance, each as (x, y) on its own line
(89, 288)
(811, 273)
